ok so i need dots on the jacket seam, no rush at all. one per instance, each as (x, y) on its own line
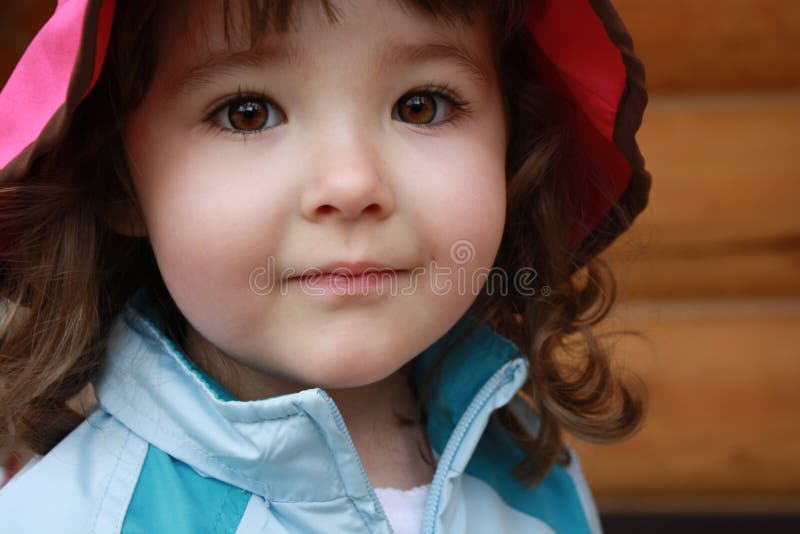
(584, 493)
(108, 482)
(143, 327)
(226, 503)
(507, 380)
(341, 478)
(185, 441)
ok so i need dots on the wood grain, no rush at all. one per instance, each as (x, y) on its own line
(724, 214)
(716, 45)
(723, 417)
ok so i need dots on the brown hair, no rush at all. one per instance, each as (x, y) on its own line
(66, 274)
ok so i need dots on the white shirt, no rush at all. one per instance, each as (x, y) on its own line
(404, 508)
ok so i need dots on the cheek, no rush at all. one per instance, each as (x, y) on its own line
(211, 222)
(206, 196)
(463, 201)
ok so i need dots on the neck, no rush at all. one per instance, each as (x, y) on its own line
(382, 418)
(388, 435)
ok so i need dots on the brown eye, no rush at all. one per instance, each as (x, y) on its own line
(248, 115)
(430, 107)
(418, 109)
(245, 114)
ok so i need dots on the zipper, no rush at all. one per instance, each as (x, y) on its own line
(502, 377)
(339, 420)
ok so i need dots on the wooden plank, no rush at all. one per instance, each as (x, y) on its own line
(724, 214)
(716, 45)
(722, 424)
(666, 275)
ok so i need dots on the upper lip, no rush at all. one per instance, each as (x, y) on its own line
(347, 268)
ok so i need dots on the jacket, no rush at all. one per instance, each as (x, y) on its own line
(167, 449)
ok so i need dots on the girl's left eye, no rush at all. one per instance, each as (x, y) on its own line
(428, 107)
(247, 114)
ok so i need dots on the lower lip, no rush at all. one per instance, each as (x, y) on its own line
(345, 285)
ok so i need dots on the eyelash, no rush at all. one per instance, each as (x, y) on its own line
(445, 91)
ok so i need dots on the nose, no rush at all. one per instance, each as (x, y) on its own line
(349, 182)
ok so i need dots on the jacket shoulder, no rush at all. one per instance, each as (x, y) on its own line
(562, 500)
(84, 484)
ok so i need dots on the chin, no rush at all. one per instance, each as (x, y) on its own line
(346, 366)
(352, 380)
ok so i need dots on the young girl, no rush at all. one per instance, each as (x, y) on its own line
(319, 261)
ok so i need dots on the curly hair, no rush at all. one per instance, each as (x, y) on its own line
(66, 275)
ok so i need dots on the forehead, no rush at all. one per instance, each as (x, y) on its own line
(212, 30)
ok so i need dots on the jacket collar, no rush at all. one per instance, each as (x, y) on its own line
(266, 446)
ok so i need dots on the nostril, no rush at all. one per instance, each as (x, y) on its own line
(327, 209)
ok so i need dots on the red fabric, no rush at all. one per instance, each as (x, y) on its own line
(104, 24)
(38, 86)
(588, 62)
(606, 179)
(584, 65)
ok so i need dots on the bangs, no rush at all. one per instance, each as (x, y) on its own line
(277, 15)
(262, 16)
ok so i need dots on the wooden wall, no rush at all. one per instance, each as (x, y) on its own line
(711, 271)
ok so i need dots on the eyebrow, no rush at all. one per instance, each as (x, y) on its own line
(445, 51)
(213, 65)
(204, 71)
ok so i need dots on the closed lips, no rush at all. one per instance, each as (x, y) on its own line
(343, 274)
(344, 269)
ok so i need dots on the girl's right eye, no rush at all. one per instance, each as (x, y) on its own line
(246, 114)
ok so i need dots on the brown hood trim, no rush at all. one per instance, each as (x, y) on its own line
(629, 118)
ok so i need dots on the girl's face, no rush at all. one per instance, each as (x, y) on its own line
(378, 138)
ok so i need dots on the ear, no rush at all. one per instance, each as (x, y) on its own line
(125, 218)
